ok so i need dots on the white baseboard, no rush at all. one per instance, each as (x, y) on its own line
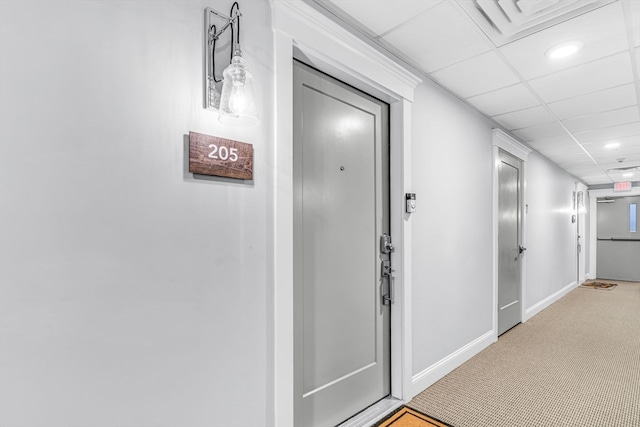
(590, 276)
(433, 373)
(537, 308)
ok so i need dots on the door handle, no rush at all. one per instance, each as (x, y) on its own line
(388, 298)
(387, 273)
(521, 249)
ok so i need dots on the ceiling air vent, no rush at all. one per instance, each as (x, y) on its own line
(504, 21)
(624, 169)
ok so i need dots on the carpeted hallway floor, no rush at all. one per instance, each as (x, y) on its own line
(577, 363)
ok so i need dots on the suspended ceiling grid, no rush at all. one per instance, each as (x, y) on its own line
(491, 53)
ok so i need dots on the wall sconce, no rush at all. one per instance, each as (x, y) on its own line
(582, 209)
(232, 96)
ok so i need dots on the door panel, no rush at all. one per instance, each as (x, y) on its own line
(618, 260)
(342, 346)
(509, 300)
(331, 169)
(618, 247)
(613, 219)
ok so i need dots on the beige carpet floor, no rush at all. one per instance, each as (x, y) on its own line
(576, 363)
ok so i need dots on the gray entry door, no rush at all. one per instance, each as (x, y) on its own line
(341, 207)
(618, 246)
(509, 242)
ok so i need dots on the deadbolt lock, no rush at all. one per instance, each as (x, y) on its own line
(385, 244)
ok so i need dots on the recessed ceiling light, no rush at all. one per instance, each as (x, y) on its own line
(565, 49)
(612, 145)
(627, 175)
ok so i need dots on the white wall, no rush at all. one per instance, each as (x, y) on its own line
(453, 304)
(550, 235)
(452, 235)
(131, 293)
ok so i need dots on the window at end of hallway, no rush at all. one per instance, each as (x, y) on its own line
(633, 217)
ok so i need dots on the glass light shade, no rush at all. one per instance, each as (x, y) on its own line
(237, 101)
(582, 209)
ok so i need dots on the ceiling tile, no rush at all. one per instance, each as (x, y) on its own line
(623, 160)
(603, 100)
(572, 162)
(618, 177)
(629, 140)
(595, 179)
(480, 74)
(524, 118)
(594, 93)
(618, 174)
(585, 162)
(438, 38)
(600, 153)
(603, 119)
(559, 153)
(544, 130)
(505, 100)
(634, 9)
(632, 141)
(586, 169)
(605, 73)
(603, 156)
(608, 134)
(553, 142)
(369, 12)
(602, 31)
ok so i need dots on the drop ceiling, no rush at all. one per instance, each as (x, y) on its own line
(491, 54)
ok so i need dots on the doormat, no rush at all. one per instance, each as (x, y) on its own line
(599, 285)
(407, 417)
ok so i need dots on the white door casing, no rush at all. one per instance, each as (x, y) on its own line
(593, 223)
(502, 140)
(299, 30)
(510, 248)
(581, 227)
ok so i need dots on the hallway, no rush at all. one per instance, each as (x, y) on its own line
(137, 292)
(577, 363)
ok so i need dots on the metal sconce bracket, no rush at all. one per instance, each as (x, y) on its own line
(580, 205)
(215, 24)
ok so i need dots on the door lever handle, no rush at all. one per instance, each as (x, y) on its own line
(521, 248)
(387, 273)
(387, 299)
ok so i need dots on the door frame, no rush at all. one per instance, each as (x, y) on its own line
(503, 141)
(581, 230)
(593, 222)
(302, 32)
(370, 377)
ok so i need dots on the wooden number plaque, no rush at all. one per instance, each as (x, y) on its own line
(210, 155)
